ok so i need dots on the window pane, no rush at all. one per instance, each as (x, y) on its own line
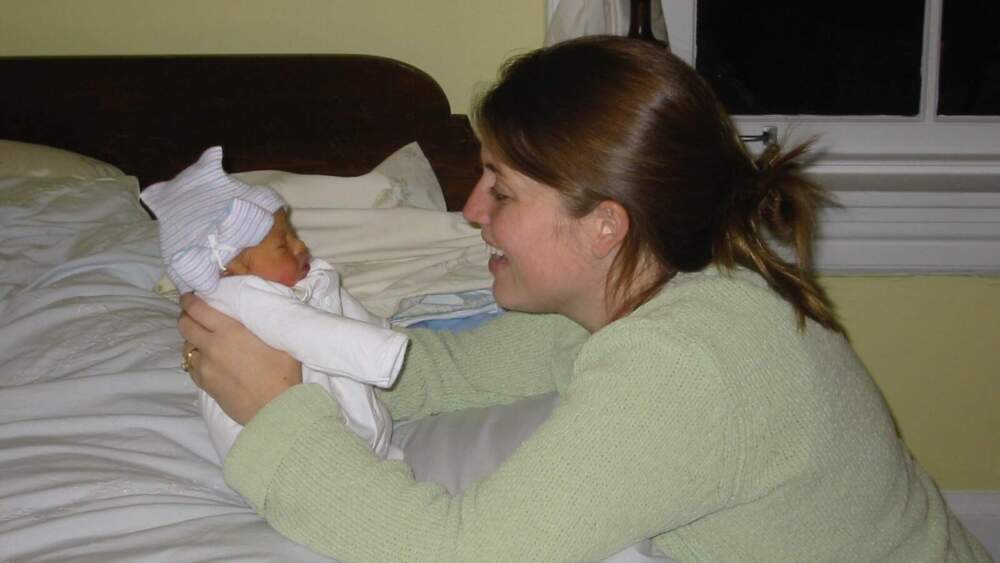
(791, 57)
(970, 58)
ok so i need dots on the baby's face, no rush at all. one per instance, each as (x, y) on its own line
(281, 257)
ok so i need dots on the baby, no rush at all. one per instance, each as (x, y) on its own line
(233, 245)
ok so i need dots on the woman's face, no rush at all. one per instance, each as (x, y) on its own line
(540, 259)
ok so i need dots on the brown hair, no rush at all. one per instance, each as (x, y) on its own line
(607, 118)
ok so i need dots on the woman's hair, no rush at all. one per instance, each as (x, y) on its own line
(607, 118)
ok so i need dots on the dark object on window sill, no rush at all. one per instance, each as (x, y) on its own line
(640, 23)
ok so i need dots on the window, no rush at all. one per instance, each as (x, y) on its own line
(969, 81)
(903, 96)
(771, 58)
(866, 77)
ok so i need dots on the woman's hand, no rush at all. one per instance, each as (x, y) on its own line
(230, 363)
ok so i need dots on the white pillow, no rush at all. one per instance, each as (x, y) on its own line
(387, 232)
(404, 179)
(387, 256)
(47, 223)
(457, 449)
(27, 159)
(63, 202)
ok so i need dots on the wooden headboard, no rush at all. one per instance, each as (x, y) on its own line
(321, 114)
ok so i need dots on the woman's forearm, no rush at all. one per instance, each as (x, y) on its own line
(500, 362)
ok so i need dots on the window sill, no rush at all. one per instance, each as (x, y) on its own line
(937, 220)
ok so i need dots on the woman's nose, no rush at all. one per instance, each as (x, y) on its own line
(477, 207)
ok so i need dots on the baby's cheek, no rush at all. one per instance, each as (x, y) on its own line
(293, 277)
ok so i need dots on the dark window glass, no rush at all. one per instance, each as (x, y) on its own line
(970, 58)
(832, 58)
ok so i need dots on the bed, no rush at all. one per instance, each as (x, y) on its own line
(102, 450)
(103, 454)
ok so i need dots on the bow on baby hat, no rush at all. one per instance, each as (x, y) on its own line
(206, 219)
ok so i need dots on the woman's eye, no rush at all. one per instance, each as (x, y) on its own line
(497, 195)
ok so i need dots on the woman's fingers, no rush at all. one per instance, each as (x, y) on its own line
(203, 313)
(194, 333)
(199, 321)
(187, 300)
(230, 363)
(190, 361)
(197, 335)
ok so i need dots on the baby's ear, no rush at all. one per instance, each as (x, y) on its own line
(237, 266)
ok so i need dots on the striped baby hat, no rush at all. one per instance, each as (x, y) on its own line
(206, 218)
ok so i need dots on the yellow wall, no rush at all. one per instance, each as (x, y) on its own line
(932, 343)
(458, 42)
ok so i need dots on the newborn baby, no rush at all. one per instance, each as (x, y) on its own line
(234, 246)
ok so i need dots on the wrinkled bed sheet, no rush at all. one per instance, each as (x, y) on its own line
(103, 454)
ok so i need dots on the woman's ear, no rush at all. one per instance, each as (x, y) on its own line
(609, 223)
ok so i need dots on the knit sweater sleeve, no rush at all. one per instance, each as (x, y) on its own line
(639, 443)
(515, 356)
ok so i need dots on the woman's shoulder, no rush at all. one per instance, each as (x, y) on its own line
(666, 334)
(713, 301)
(718, 315)
(713, 287)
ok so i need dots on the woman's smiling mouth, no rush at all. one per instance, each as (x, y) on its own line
(497, 257)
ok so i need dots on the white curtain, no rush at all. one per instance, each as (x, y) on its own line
(574, 18)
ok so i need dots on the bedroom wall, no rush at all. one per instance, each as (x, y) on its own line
(460, 44)
(932, 342)
(933, 345)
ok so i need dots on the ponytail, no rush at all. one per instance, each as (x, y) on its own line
(779, 202)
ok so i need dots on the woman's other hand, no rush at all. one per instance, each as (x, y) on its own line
(230, 363)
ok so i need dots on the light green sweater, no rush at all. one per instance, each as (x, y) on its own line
(705, 419)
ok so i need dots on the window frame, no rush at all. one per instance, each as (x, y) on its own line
(899, 140)
(914, 194)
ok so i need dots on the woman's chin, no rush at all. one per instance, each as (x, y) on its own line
(502, 298)
(507, 295)
(509, 301)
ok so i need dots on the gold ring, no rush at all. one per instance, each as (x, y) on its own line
(186, 364)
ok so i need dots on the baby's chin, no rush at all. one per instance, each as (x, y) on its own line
(284, 280)
(301, 276)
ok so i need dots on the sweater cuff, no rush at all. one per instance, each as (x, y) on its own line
(263, 444)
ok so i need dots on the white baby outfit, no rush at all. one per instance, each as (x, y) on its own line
(206, 218)
(342, 347)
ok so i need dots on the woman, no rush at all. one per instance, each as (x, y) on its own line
(707, 396)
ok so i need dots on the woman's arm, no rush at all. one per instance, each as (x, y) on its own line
(514, 356)
(507, 359)
(640, 443)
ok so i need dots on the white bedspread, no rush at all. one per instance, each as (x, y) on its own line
(103, 453)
